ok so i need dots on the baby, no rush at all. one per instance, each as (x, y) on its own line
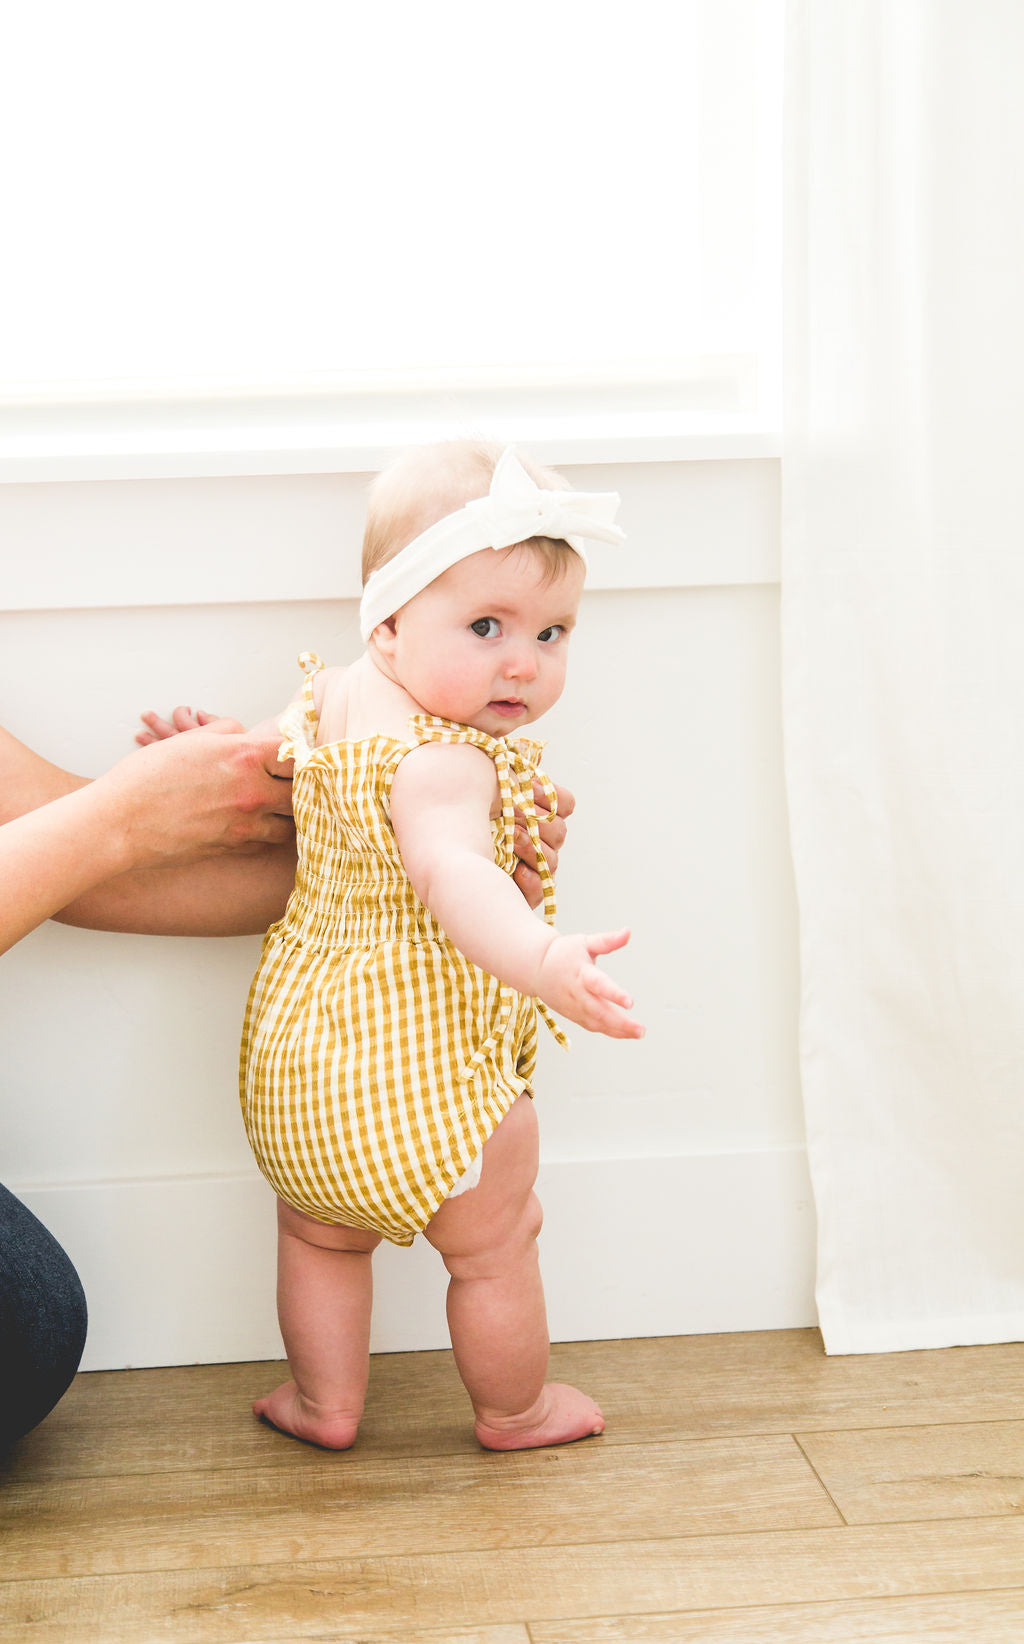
(390, 1036)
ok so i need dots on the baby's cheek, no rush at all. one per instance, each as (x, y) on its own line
(554, 681)
(458, 689)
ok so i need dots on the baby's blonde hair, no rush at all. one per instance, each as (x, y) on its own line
(432, 481)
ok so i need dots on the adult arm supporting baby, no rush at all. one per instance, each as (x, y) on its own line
(123, 852)
(441, 801)
(552, 829)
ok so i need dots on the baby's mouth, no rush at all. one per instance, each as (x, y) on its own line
(511, 706)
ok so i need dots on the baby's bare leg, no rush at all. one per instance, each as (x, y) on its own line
(324, 1296)
(496, 1314)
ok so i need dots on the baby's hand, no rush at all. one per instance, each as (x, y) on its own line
(182, 719)
(571, 983)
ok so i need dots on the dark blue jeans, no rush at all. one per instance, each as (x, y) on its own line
(42, 1320)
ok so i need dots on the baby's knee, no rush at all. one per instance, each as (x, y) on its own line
(532, 1219)
(518, 1229)
(498, 1247)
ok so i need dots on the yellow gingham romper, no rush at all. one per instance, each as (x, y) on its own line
(376, 1059)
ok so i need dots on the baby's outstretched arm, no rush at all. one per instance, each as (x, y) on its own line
(440, 810)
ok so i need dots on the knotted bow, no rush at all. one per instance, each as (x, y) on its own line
(517, 509)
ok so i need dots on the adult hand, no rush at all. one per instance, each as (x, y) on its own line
(552, 838)
(218, 788)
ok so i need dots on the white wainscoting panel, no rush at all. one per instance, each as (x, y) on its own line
(674, 1175)
(297, 536)
(633, 1247)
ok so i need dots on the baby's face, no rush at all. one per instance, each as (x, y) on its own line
(486, 644)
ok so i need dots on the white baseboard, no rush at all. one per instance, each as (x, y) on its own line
(181, 1271)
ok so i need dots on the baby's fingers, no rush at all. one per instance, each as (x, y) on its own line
(609, 1020)
(607, 941)
(623, 1027)
(603, 986)
(610, 1001)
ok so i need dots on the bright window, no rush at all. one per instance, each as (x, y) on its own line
(276, 193)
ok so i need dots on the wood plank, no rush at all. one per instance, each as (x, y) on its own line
(974, 1618)
(200, 1416)
(658, 1389)
(327, 1503)
(348, 1598)
(888, 1474)
(515, 1633)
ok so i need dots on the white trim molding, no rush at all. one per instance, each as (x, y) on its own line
(677, 1245)
(288, 537)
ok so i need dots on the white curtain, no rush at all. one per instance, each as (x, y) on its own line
(903, 602)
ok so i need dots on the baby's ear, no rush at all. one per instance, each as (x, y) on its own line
(385, 635)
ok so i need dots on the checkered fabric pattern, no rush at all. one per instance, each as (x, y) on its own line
(376, 1059)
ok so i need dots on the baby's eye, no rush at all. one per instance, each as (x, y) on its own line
(546, 635)
(486, 627)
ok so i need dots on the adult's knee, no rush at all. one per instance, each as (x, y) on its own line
(43, 1320)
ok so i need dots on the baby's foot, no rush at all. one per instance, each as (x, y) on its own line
(289, 1410)
(561, 1415)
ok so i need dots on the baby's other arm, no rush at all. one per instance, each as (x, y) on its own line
(441, 802)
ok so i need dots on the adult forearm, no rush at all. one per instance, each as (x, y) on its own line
(28, 780)
(224, 896)
(175, 838)
(53, 855)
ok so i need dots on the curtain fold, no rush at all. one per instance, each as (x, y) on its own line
(903, 657)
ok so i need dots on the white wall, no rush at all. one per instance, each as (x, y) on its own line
(674, 1175)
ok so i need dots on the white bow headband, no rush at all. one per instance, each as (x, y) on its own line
(515, 510)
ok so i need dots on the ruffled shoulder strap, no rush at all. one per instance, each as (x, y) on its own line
(298, 724)
(432, 728)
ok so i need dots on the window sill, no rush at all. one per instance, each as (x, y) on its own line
(273, 434)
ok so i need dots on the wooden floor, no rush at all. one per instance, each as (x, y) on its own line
(748, 1489)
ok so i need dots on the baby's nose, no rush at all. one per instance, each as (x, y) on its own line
(520, 662)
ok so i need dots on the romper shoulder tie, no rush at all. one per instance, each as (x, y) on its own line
(298, 724)
(517, 767)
